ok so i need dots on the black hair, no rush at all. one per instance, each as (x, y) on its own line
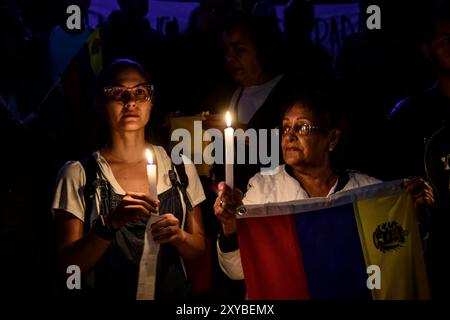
(299, 14)
(267, 37)
(439, 12)
(109, 74)
(324, 102)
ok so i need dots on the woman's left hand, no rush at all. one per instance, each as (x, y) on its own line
(167, 230)
(421, 192)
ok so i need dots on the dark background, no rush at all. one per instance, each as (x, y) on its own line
(375, 69)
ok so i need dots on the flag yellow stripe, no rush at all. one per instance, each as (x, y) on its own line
(362, 238)
(403, 274)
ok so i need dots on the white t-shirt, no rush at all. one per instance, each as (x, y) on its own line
(278, 186)
(252, 99)
(72, 180)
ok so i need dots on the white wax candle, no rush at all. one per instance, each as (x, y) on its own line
(229, 152)
(149, 257)
(151, 174)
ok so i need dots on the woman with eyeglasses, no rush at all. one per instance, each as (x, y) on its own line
(102, 204)
(311, 133)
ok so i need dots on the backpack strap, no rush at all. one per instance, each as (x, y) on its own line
(181, 170)
(90, 169)
(182, 183)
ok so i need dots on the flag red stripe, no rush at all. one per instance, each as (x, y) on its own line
(281, 267)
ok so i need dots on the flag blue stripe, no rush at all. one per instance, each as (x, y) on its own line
(332, 254)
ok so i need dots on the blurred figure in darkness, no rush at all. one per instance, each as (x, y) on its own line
(375, 69)
(13, 45)
(127, 33)
(306, 59)
(419, 136)
(24, 227)
(205, 84)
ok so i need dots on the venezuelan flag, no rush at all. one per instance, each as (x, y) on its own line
(359, 244)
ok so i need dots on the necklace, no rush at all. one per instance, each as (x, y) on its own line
(110, 157)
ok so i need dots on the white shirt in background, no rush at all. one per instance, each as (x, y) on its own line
(252, 99)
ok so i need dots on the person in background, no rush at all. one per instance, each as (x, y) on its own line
(306, 59)
(375, 68)
(127, 34)
(419, 140)
(253, 50)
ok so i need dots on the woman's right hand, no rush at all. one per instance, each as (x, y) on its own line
(225, 207)
(133, 208)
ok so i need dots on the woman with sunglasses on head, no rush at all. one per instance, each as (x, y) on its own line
(311, 133)
(101, 220)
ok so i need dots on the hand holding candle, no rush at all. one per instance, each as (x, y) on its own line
(229, 152)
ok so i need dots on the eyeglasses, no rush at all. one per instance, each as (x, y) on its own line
(300, 129)
(140, 93)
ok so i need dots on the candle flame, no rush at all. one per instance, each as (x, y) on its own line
(149, 156)
(228, 118)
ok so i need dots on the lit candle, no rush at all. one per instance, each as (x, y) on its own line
(229, 152)
(151, 174)
(149, 257)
